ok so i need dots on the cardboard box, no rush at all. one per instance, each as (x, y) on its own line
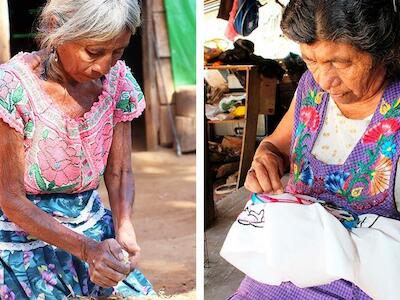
(236, 128)
(185, 101)
(267, 95)
(186, 128)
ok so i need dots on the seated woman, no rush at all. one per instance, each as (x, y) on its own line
(340, 135)
(65, 122)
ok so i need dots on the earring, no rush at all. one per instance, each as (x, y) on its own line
(54, 52)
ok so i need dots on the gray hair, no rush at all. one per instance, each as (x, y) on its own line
(372, 26)
(64, 21)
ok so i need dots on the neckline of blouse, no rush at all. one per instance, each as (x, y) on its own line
(48, 100)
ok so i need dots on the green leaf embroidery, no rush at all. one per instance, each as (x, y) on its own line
(45, 133)
(28, 128)
(370, 153)
(17, 95)
(5, 104)
(140, 97)
(63, 188)
(52, 184)
(124, 103)
(38, 177)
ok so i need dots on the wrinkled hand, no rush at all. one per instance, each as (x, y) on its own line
(266, 171)
(106, 264)
(126, 237)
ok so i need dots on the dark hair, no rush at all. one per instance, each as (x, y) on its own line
(372, 26)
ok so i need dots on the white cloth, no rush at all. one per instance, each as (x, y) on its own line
(336, 128)
(308, 246)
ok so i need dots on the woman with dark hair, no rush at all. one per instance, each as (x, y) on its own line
(340, 134)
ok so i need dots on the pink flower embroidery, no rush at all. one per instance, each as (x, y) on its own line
(7, 83)
(384, 128)
(58, 162)
(310, 117)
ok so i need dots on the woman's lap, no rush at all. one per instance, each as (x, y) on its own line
(46, 272)
(252, 290)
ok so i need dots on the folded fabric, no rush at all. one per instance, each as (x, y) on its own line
(275, 242)
(348, 219)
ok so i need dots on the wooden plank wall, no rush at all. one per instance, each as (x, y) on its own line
(158, 79)
(4, 32)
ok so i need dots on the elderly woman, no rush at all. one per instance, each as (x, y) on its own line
(340, 135)
(65, 122)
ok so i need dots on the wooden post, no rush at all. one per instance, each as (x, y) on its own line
(250, 129)
(4, 32)
(149, 73)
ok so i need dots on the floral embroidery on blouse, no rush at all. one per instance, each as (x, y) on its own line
(63, 154)
(364, 183)
(374, 175)
(309, 122)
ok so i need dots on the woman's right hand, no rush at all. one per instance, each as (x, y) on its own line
(106, 262)
(266, 170)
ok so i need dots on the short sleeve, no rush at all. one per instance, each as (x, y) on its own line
(13, 101)
(130, 101)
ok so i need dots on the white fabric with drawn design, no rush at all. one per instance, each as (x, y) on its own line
(337, 138)
(308, 246)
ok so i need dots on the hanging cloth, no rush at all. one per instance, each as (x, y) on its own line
(225, 8)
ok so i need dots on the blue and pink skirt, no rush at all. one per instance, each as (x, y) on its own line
(32, 269)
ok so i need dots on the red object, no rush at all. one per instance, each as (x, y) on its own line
(230, 31)
(310, 117)
(383, 128)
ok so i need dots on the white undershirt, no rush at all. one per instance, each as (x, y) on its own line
(337, 138)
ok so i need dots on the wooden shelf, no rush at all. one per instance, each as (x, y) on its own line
(225, 121)
(230, 67)
(248, 129)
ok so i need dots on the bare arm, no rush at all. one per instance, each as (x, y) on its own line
(118, 175)
(120, 185)
(272, 157)
(107, 271)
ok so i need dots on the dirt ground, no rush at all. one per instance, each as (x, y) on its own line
(165, 218)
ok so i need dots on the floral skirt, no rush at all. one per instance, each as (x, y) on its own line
(32, 269)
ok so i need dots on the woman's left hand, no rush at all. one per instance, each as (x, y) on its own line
(126, 237)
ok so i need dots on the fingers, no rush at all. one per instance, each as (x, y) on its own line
(103, 273)
(102, 281)
(275, 180)
(264, 177)
(251, 183)
(117, 265)
(133, 259)
(105, 268)
(132, 251)
(115, 249)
